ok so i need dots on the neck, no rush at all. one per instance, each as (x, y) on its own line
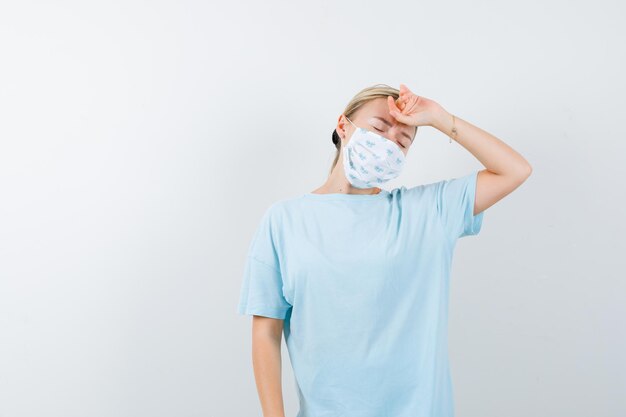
(338, 183)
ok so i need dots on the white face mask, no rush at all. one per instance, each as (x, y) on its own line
(370, 159)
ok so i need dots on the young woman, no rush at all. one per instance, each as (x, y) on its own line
(357, 277)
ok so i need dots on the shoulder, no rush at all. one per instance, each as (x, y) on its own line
(423, 193)
(283, 206)
(433, 189)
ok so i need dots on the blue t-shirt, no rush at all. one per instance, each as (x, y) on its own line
(362, 284)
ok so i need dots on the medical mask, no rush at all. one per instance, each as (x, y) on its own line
(370, 160)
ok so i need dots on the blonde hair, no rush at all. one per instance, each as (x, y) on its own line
(362, 97)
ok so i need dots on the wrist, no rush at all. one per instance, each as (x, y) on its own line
(443, 122)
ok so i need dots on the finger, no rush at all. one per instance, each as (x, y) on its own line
(408, 93)
(401, 103)
(402, 118)
(392, 104)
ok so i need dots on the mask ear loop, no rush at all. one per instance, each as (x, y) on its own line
(344, 146)
(351, 122)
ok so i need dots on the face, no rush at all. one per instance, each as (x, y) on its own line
(374, 116)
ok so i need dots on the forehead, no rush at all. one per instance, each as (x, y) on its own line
(379, 107)
(376, 106)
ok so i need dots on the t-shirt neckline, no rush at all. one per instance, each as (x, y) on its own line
(342, 196)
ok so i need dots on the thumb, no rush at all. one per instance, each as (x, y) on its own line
(401, 117)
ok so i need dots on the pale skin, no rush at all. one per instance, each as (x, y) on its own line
(505, 170)
(266, 361)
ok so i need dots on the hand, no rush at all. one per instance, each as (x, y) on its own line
(414, 110)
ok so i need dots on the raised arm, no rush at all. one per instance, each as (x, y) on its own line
(505, 169)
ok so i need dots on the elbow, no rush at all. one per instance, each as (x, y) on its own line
(521, 174)
(525, 171)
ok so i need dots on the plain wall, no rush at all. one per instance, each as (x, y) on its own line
(142, 141)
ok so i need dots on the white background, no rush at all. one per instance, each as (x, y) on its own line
(141, 142)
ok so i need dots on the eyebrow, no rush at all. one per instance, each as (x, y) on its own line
(389, 124)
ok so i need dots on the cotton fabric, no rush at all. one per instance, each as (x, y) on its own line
(362, 284)
(370, 159)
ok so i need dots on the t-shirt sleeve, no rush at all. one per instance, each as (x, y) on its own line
(455, 206)
(262, 287)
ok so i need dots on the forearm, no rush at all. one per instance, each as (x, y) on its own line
(266, 358)
(494, 154)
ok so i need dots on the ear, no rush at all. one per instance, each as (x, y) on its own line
(341, 125)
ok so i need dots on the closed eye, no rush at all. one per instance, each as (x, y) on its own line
(401, 145)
